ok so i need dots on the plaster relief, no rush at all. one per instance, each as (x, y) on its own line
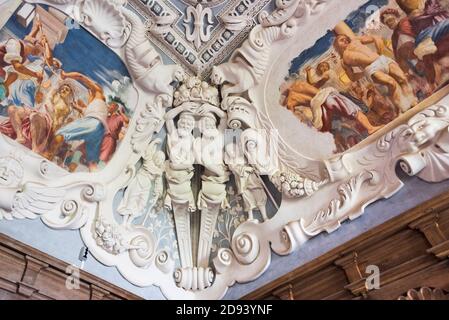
(212, 174)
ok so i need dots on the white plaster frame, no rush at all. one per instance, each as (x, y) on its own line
(341, 187)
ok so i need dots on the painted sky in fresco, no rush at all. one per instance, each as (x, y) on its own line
(82, 52)
(356, 20)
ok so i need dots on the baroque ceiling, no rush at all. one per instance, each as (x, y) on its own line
(189, 140)
(199, 34)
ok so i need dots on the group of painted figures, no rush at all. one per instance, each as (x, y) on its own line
(53, 112)
(387, 77)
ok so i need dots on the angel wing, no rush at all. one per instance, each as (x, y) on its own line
(32, 201)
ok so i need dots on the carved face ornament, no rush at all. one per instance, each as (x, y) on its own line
(11, 172)
(216, 77)
(186, 124)
(420, 133)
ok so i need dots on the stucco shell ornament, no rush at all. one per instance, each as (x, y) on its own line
(199, 178)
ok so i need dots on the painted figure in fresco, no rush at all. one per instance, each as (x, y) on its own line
(403, 42)
(421, 74)
(50, 115)
(380, 108)
(117, 119)
(430, 24)
(46, 120)
(92, 127)
(380, 69)
(381, 111)
(324, 103)
(43, 121)
(31, 123)
(429, 27)
(324, 75)
(23, 66)
(15, 61)
(301, 93)
(249, 185)
(404, 46)
(328, 102)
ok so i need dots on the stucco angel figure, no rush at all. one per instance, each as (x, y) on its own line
(249, 185)
(146, 188)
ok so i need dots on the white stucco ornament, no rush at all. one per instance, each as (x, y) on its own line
(210, 151)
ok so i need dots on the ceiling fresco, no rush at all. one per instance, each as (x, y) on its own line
(187, 141)
(368, 93)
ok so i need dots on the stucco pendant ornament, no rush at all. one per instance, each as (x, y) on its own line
(195, 102)
(197, 107)
(198, 179)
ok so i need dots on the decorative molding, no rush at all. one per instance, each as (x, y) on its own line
(248, 64)
(429, 226)
(221, 36)
(201, 19)
(26, 273)
(425, 294)
(400, 252)
(114, 30)
(343, 208)
(191, 186)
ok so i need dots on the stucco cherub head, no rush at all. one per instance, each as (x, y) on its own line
(179, 75)
(217, 77)
(11, 172)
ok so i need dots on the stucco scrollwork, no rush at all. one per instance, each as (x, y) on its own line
(199, 152)
(248, 63)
